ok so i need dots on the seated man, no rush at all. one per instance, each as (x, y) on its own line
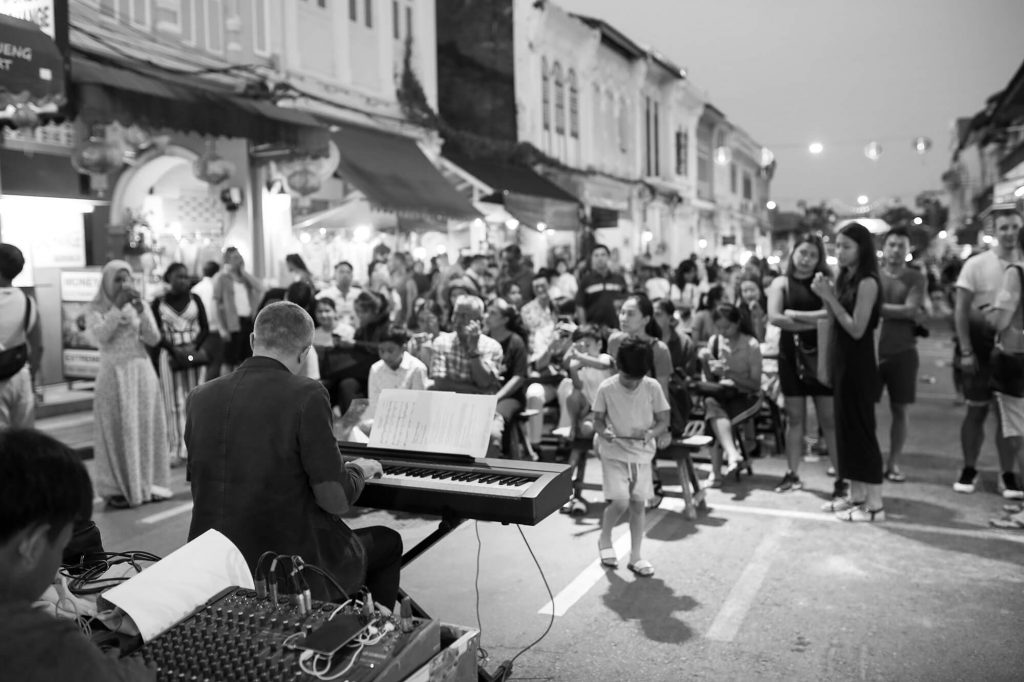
(44, 492)
(468, 361)
(266, 471)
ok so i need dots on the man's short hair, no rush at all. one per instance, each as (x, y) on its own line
(600, 247)
(344, 263)
(283, 327)
(396, 334)
(635, 358)
(41, 481)
(469, 301)
(210, 268)
(901, 232)
(1003, 210)
(12, 261)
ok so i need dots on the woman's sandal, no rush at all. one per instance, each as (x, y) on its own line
(862, 514)
(608, 557)
(895, 476)
(840, 504)
(1007, 523)
(642, 568)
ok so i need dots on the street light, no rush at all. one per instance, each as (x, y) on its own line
(943, 234)
(771, 205)
(702, 243)
(918, 220)
(862, 200)
(816, 148)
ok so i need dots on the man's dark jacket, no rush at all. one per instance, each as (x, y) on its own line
(264, 466)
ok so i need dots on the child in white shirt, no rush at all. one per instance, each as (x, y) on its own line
(630, 413)
(395, 369)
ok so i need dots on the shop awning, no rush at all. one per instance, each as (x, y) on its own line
(33, 67)
(396, 176)
(105, 93)
(525, 194)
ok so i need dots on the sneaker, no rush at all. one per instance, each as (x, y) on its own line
(840, 488)
(1009, 486)
(968, 479)
(789, 482)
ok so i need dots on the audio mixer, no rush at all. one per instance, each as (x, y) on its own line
(240, 636)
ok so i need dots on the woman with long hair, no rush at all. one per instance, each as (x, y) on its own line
(752, 302)
(702, 326)
(855, 303)
(732, 359)
(348, 363)
(502, 324)
(129, 422)
(795, 309)
(298, 271)
(183, 330)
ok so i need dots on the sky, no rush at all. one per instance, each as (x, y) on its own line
(840, 72)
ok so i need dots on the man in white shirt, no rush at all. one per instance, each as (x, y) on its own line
(980, 280)
(20, 344)
(214, 344)
(343, 293)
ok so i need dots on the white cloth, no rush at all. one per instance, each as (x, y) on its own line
(12, 317)
(591, 379)
(411, 374)
(1011, 414)
(204, 290)
(242, 306)
(982, 275)
(629, 413)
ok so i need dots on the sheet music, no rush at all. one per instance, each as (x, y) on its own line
(433, 421)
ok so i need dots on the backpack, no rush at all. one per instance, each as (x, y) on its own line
(13, 359)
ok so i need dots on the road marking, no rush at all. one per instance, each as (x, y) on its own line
(730, 617)
(170, 513)
(595, 572)
(781, 513)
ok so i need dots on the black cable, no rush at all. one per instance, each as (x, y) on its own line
(86, 576)
(329, 577)
(551, 622)
(480, 650)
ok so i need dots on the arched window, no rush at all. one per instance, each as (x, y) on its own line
(559, 100)
(574, 105)
(545, 81)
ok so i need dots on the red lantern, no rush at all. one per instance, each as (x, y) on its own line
(97, 155)
(304, 181)
(211, 168)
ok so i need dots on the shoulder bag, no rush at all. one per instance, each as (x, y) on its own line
(13, 359)
(1008, 368)
(188, 356)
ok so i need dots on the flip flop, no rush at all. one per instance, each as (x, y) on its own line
(608, 557)
(895, 476)
(642, 568)
(1007, 522)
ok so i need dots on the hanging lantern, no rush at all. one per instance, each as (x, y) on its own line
(24, 116)
(723, 156)
(873, 151)
(922, 144)
(97, 155)
(304, 180)
(211, 168)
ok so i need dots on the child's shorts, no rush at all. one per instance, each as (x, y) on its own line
(626, 480)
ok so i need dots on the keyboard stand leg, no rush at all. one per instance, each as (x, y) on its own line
(447, 525)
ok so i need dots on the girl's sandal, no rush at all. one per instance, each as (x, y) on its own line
(608, 557)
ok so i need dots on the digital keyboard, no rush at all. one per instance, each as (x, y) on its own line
(504, 490)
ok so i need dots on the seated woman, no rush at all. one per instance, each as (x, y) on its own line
(425, 325)
(502, 325)
(351, 368)
(732, 359)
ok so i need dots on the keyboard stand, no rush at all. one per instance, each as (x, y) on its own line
(449, 522)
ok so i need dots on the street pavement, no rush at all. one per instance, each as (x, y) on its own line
(761, 587)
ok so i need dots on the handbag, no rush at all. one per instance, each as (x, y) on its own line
(13, 359)
(1008, 368)
(189, 358)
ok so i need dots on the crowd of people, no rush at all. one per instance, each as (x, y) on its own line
(624, 360)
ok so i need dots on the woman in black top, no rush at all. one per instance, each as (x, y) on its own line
(855, 302)
(503, 326)
(795, 309)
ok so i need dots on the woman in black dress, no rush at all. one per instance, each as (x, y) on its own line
(795, 309)
(854, 303)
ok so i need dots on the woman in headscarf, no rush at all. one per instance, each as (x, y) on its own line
(129, 423)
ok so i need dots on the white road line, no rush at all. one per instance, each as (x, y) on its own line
(170, 513)
(730, 617)
(765, 511)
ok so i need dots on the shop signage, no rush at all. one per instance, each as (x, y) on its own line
(38, 12)
(60, 244)
(33, 34)
(80, 355)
